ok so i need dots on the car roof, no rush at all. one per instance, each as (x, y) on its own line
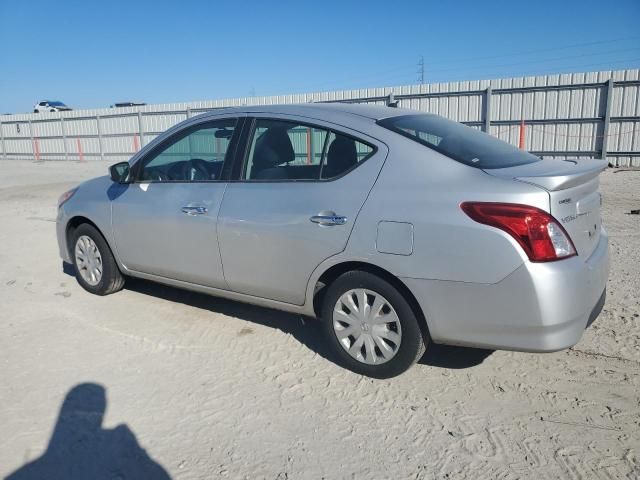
(324, 110)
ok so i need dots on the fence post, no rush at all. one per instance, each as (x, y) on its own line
(188, 112)
(4, 147)
(64, 138)
(33, 144)
(604, 144)
(99, 128)
(487, 110)
(80, 153)
(140, 130)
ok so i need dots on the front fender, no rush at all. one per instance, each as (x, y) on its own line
(91, 201)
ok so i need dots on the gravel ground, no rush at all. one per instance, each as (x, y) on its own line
(209, 388)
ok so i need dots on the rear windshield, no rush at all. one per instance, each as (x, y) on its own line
(459, 142)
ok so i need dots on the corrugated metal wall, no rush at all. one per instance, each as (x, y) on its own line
(577, 115)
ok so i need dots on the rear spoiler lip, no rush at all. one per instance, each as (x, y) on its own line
(581, 172)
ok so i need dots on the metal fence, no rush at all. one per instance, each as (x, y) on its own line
(578, 115)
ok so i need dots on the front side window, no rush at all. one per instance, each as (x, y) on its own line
(459, 142)
(282, 150)
(195, 156)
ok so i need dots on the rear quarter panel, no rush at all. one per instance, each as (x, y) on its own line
(424, 188)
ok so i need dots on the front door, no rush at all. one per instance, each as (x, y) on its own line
(294, 204)
(165, 222)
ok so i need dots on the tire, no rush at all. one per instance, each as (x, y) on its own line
(110, 279)
(401, 355)
(36, 111)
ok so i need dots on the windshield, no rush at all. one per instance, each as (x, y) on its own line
(459, 142)
(56, 103)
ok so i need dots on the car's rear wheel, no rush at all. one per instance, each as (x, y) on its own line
(96, 269)
(371, 326)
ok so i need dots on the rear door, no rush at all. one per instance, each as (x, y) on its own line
(293, 203)
(165, 223)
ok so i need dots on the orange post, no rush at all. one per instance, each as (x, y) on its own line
(521, 143)
(80, 154)
(36, 149)
(136, 143)
(308, 146)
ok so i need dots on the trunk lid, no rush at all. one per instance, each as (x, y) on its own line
(573, 194)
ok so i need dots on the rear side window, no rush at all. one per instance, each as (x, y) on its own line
(282, 150)
(459, 142)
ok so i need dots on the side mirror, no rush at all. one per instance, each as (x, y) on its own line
(119, 172)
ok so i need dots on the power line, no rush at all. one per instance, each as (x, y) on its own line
(389, 75)
(607, 63)
(551, 49)
(527, 62)
(405, 72)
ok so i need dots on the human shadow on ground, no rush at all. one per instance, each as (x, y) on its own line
(80, 448)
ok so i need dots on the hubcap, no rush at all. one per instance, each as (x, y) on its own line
(88, 260)
(367, 326)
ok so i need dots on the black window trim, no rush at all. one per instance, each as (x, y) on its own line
(183, 133)
(244, 150)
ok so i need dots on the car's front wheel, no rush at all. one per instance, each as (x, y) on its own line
(371, 326)
(96, 269)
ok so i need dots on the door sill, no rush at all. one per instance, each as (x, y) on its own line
(219, 292)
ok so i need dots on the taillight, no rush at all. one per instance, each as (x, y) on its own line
(540, 235)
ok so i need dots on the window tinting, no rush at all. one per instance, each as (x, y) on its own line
(288, 151)
(459, 142)
(343, 153)
(198, 156)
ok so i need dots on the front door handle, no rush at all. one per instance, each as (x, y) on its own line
(194, 210)
(328, 219)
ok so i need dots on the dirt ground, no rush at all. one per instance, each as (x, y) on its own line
(211, 388)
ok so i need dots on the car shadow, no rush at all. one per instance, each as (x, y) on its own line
(304, 329)
(448, 356)
(80, 448)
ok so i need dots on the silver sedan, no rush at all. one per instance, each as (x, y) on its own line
(393, 227)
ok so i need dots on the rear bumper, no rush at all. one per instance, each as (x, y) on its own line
(540, 307)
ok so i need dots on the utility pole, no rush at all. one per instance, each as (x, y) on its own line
(421, 70)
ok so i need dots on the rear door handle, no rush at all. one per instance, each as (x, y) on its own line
(194, 210)
(328, 219)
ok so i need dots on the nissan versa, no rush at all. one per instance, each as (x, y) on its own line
(394, 227)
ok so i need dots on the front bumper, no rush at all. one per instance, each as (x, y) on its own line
(61, 234)
(540, 307)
